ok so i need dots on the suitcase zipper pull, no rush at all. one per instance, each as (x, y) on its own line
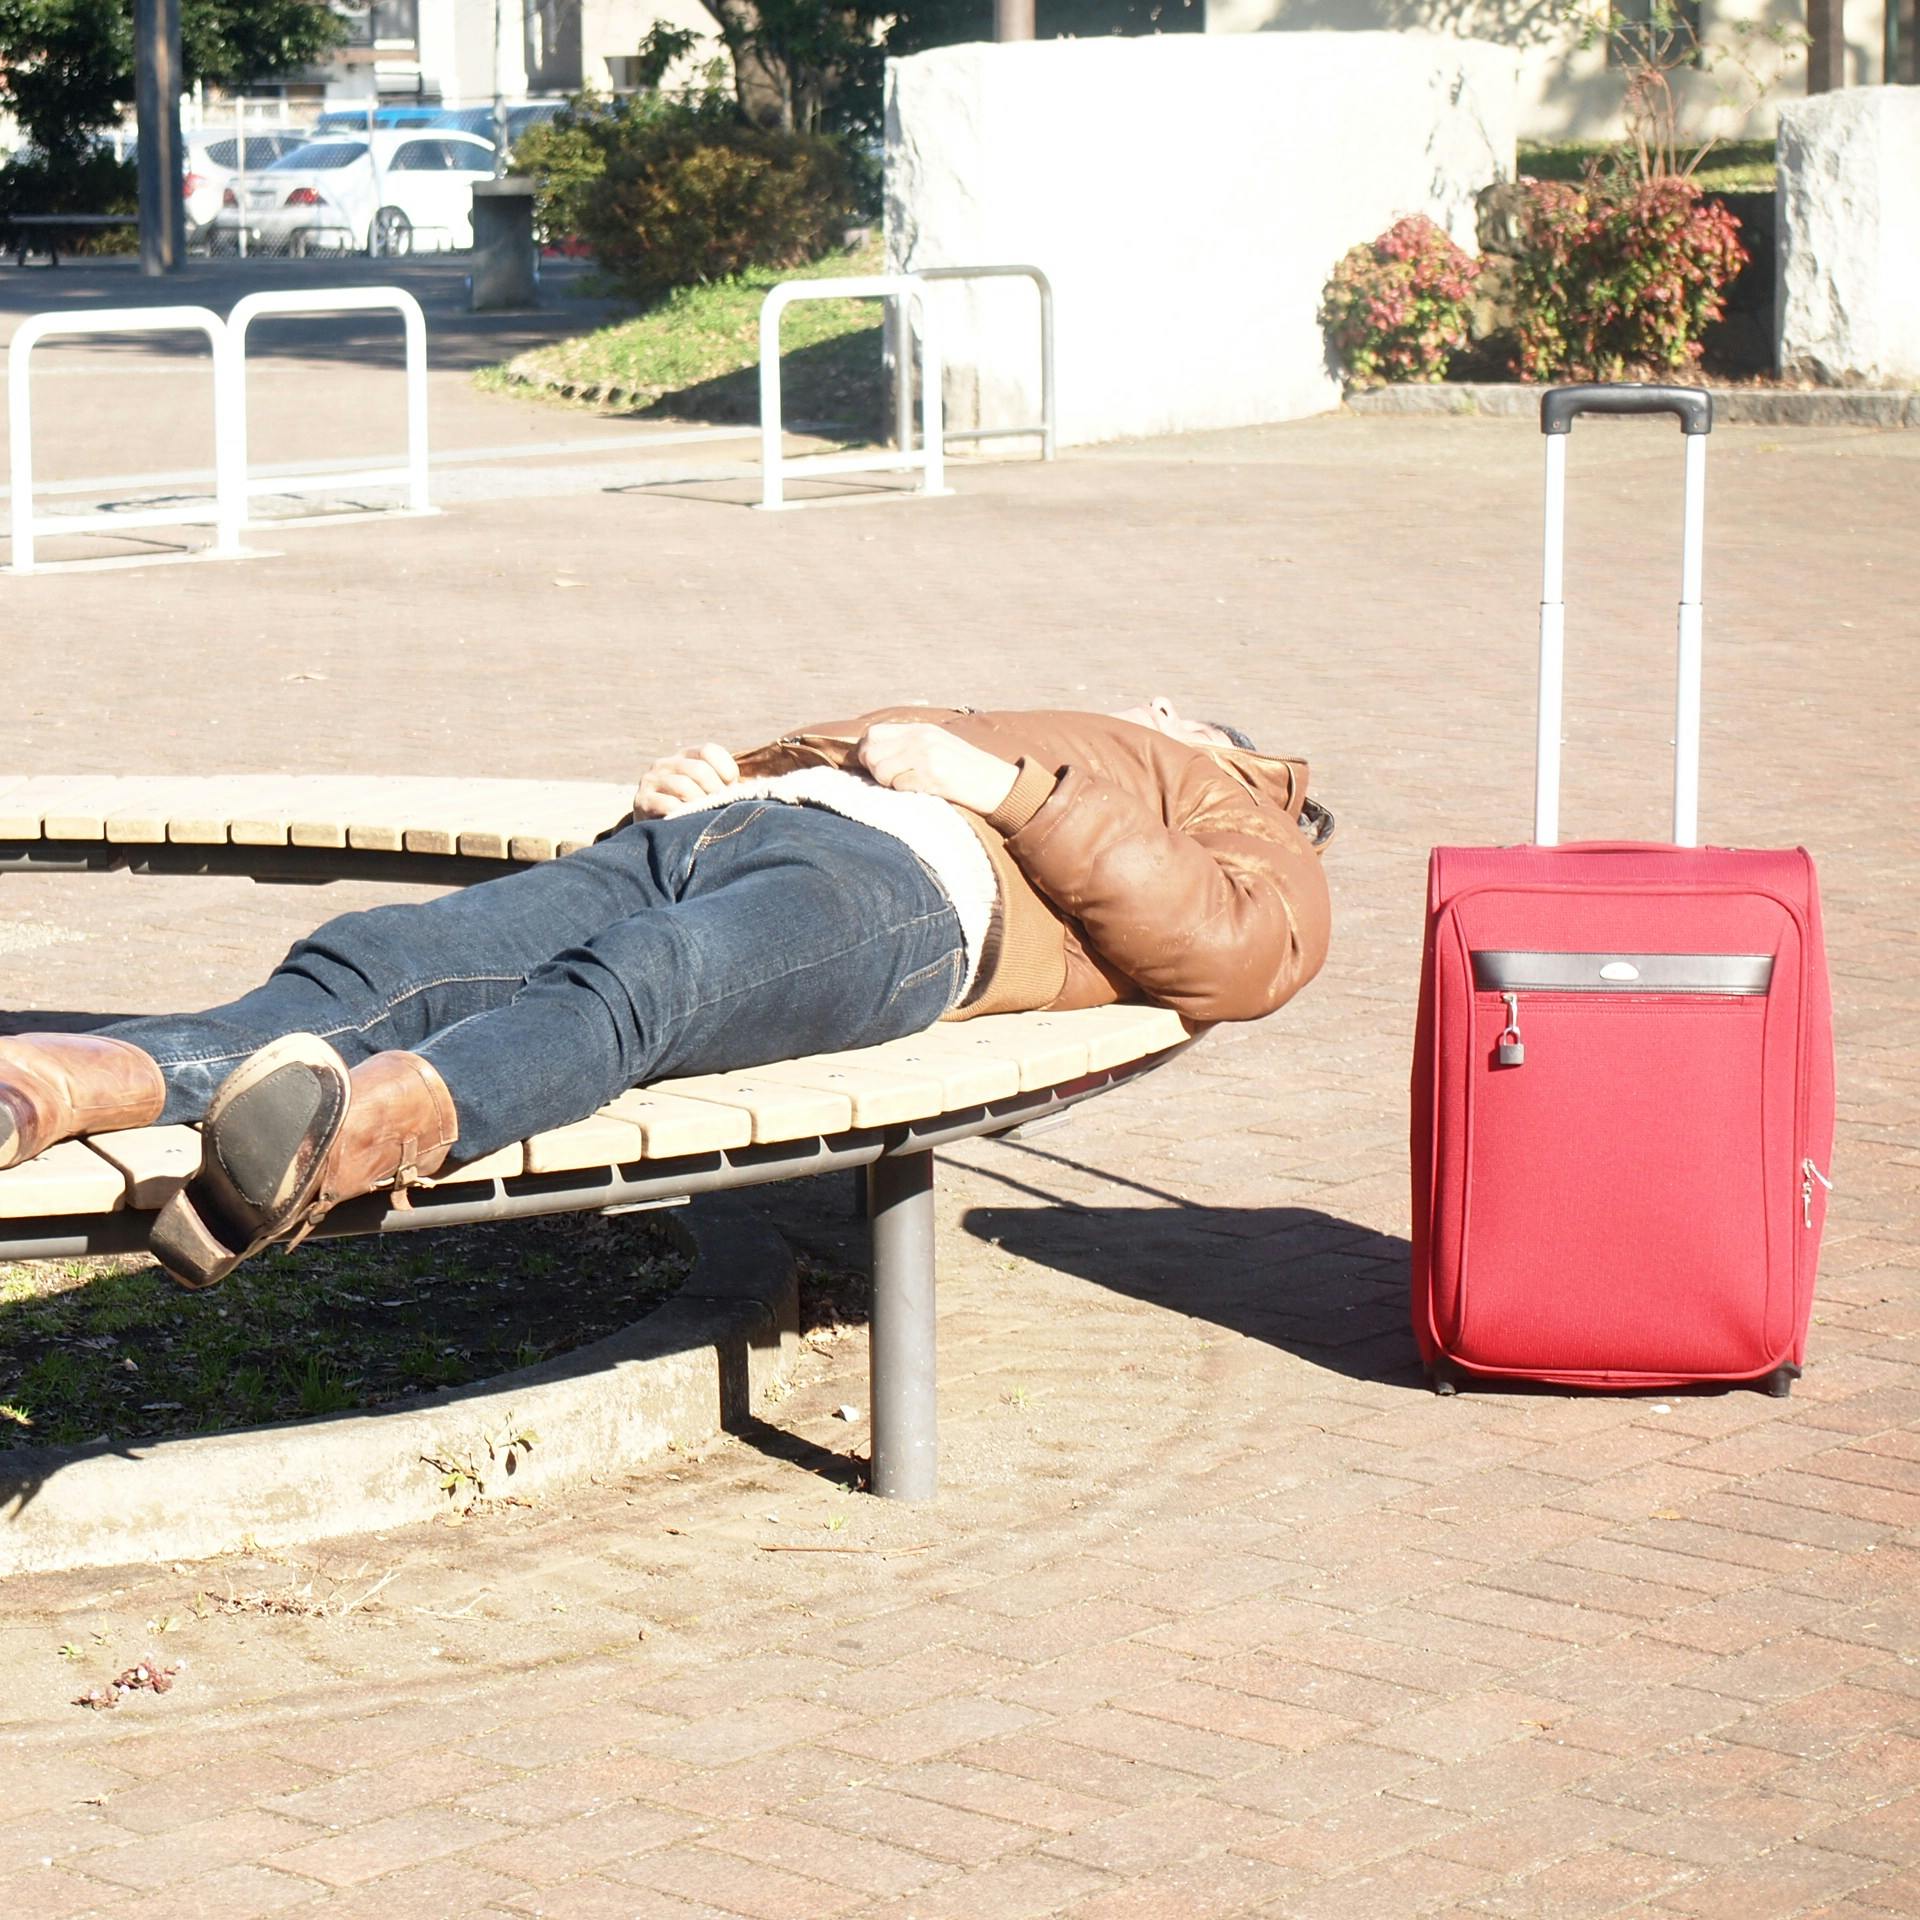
(1512, 1051)
(1809, 1173)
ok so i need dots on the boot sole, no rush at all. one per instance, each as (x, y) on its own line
(267, 1136)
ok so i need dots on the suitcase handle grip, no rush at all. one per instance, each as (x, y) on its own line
(1558, 408)
(1561, 406)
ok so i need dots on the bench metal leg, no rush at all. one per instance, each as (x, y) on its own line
(905, 1432)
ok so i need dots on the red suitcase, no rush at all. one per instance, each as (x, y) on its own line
(1623, 1069)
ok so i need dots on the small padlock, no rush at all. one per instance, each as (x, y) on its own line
(1510, 1050)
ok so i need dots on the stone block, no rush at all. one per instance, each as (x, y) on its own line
(1849, 237)
(1188, 195)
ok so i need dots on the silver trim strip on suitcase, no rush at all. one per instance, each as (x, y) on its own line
(1506, 971)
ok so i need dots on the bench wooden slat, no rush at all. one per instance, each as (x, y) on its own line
(880, 1097)
(78, 811)
(778, 1112)
(673, 1127)
(600, 1140)
(69, 1178)
(155, 1161)
(1043, 1056)
(968, 1078)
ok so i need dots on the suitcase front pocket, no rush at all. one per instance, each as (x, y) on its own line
(1615, 1215)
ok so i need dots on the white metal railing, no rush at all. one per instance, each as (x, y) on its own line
(903, 360)
(228, 507)
(233, 454)
(928, 460)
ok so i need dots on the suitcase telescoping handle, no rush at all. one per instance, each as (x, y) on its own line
(1559, 407)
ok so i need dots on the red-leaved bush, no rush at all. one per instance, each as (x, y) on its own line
(1397, 308)
(1619, 279)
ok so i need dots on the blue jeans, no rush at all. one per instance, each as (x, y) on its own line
(720, 940)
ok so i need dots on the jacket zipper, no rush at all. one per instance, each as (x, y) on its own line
(1809, 1173)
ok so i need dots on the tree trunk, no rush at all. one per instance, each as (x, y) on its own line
(760, 82)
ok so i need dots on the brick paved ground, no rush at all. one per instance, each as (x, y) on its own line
(1221, 1613)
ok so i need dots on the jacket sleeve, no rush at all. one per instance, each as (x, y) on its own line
(1221, 917)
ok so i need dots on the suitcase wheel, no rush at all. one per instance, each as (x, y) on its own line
(1446, 1379)
(1778, 1385)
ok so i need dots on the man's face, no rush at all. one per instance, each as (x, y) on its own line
(1163, 716)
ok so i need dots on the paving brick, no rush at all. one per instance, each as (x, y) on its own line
(1328, 1777)
(1503, 1777)
(247, 1778)
(920, 1826)
(1245, 1714)
(1017, 1889)
(1210, 1888)
(180, 1853)
(1785, 1881)
(57, 1836)
(52, 1893)
(1463, 1728)
(734, 1885)
(1821, 1723)
(926, 1732)
(594, 1897)
(1550, 1619)
(1093, 1676)
(1005, 1796)
(1161, 1834)
(1052, 1761)
(1881, 1763)
(237, 1892)
(1413, 1884)
(1034, 1639)
(752, 1786)
(742, 1732)
(1734, 1829)
(1164, 1743)
(1546, 1829)
(564, 1849)
(1352, 1836)
(419, 1779)
(821, 1853)
(533, 1797)
(1346, 1696)
(1688, 1777)
(1782, 1670)
(385, 1846)
(438, 1887)
(1890, 1832)
(1601, 1880)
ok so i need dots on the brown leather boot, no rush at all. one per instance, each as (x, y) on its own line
(56, 1085)
(291, 1134)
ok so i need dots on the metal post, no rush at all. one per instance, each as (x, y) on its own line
(1013, 19)
(900, 339)
(1827, 45)
(156, 69)
(905, 1428)
(499, 100)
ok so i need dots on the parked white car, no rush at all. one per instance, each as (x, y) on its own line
(410, 191)
(213, 158)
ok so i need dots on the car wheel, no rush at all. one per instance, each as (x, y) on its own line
(390, 233)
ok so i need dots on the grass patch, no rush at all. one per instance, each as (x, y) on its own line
(696, 354)
(1734, 166)
(111, 1347)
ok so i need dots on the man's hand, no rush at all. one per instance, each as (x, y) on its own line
(916, 757)
(682, 779)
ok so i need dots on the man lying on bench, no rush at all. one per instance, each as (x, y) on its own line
(842, 886)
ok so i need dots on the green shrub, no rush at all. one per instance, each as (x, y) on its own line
(686, 201)
(1618, 279)
(94, 183)
(567, 155)
(1396, 308)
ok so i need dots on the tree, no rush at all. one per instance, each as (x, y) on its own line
(67, 65)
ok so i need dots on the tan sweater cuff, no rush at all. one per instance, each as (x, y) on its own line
(1032, 789)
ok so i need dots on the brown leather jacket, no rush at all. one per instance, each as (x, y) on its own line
(1131, 865)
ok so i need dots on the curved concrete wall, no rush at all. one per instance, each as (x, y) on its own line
(1188, 196)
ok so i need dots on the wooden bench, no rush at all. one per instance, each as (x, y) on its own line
(885, 1109)
(24, 226)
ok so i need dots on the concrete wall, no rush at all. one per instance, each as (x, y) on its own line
(1567, 91)
(1848, 200)
(1188, 195)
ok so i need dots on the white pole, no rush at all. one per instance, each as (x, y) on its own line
(1553, 622)
(933, 426)
(416, 327)
(1686, 716)
(771, 309)
(20, 442)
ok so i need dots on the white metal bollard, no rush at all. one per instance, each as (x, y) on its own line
(342, 300)
(928, 461)
(229, 504)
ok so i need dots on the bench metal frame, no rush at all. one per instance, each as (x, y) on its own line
(928, 460)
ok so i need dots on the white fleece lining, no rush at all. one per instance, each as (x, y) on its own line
(931, 828)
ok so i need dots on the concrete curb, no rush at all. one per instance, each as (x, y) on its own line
(1732, 406)
(694, 1366)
